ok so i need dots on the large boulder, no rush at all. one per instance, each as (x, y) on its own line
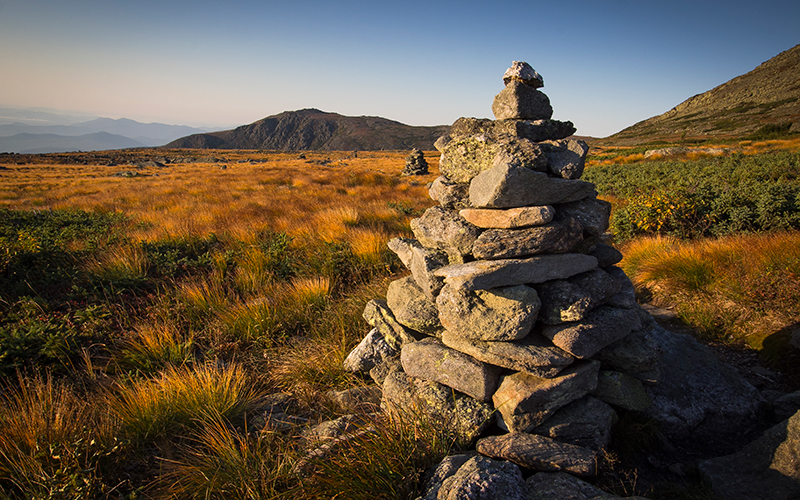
(475, 477)
(504, 313)
(766, 469)
(412, 307)
(566, 158)
(699, 400)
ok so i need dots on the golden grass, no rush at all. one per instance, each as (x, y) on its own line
(743, 287)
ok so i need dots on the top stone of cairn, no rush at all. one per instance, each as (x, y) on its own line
(522, 72)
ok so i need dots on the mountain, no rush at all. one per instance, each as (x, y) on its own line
(767, 95)
(146, 134)
(53, 143)
(312, 129)
(41, 116)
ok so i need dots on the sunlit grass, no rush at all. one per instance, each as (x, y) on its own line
(182, 398)
(151, 347)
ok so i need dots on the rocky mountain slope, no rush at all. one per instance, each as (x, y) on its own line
(768, 95)
(312, 129)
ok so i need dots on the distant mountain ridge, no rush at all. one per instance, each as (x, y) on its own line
(312, 129)
(769, 94)
(53, 143)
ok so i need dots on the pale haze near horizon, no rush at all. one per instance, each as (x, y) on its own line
(606, 64)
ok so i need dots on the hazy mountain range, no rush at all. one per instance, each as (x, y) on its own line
(36, 131)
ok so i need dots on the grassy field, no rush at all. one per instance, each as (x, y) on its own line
(170, 331)
(150, 316)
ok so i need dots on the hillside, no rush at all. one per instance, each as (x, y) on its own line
(312, 129)
(767, 95)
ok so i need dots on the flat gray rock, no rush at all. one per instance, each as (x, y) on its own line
(505, 185)
(586, 422)
(524, 401)
(502, 313)
(766, 469)
(556, 237)
(510, 218)
(429, 359)
(593, 214)
(407, 396)
(485, 274)
(600, 327)
(533, 354)
(412, 307)
(533, 130)
(541, 453)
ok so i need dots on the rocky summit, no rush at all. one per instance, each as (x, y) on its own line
(516, 329)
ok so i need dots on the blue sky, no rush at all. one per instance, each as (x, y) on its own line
(606, 64)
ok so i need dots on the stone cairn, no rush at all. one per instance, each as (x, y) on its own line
(415, 164)
(514, 316)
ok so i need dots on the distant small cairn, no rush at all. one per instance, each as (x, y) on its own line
(415, 164)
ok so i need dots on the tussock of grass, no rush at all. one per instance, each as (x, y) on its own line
(152, 347)
(181, 398)
(383, 459)
(741, 288)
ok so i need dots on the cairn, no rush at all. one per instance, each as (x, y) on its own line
(514, 314)
(415, 164)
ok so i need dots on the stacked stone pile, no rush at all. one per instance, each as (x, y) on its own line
(514, 314)
(415, 164)
(514, 311)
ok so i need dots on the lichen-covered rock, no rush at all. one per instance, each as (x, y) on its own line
(518, 101)
(379, 316)
(464, 157)
(572, 299)
(541, 453)
(622, 391)
(429, 359)
(766, 469)
(449, 194)
(485, 274)
(505, 186)
(586, 422)
(411, 306)
(533, 354)
(533, 130)
(371, 351)
(503, 313)
(445, 230)
(524, 401)
(566, 158)
(407, 396)
(600, 327)
(523, 72)
(559, 236)
(511, 218)
(478, 478)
